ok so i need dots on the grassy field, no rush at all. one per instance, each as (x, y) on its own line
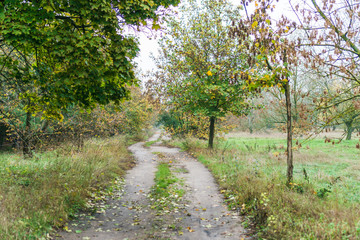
(322, 203)
(324, 163)
(44, 192)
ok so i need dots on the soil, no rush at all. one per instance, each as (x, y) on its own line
(131, 214)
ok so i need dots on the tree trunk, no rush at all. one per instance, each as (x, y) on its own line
(26, 138)
(349, 129)
(211, 132)
(250, 122)
(289, 134)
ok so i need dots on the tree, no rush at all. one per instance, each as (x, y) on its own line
(331, 48)
(272, 55)
(58, 53)
(200, 64)
(337, 108)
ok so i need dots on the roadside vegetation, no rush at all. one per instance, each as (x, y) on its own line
(322, 201)
(44, 192)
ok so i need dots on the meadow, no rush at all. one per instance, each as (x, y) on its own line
(322, 202)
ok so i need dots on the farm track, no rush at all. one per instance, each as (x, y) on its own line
(199, 214)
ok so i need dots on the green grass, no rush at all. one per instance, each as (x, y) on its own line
(149, 143)
(44, 192)
(166, 190)
(323, 162)
(163, 179)
(252, 172)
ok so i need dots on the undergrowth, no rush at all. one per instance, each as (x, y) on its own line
(254, 183)
(44, 192)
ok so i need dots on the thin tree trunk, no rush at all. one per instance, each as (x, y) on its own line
(212, 132)
(349, 130)
(27, 137)
(250, 122)
(290, 166)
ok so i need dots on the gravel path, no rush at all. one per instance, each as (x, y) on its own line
(199, 214)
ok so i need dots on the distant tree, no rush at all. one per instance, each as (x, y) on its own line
(200, 64)
(339, 105)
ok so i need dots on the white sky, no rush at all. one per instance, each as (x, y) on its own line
(150, 46)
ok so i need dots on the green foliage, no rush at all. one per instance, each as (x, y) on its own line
(55, 55)
(70, 52)
(181, 124)
(200, 63)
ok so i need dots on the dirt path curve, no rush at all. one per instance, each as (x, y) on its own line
(199, 215)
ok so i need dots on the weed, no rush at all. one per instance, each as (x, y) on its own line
(323, 192)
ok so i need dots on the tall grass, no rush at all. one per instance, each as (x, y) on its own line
(316, 206)
(43, 192)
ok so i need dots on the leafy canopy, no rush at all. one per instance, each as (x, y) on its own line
(200, 63)
(56, 53)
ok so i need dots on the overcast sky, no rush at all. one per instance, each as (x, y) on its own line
(150, 46)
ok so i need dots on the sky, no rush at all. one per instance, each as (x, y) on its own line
(150, 47)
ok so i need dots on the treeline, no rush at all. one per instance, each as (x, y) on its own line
(131, 117)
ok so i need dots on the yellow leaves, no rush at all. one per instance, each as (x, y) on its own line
(156, 26)
(255, 24)
(243, 206)
(209, 73)
(67, 229)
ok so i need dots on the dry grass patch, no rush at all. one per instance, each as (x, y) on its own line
(45, 191)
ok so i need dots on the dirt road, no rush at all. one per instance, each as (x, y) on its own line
(198, 214)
